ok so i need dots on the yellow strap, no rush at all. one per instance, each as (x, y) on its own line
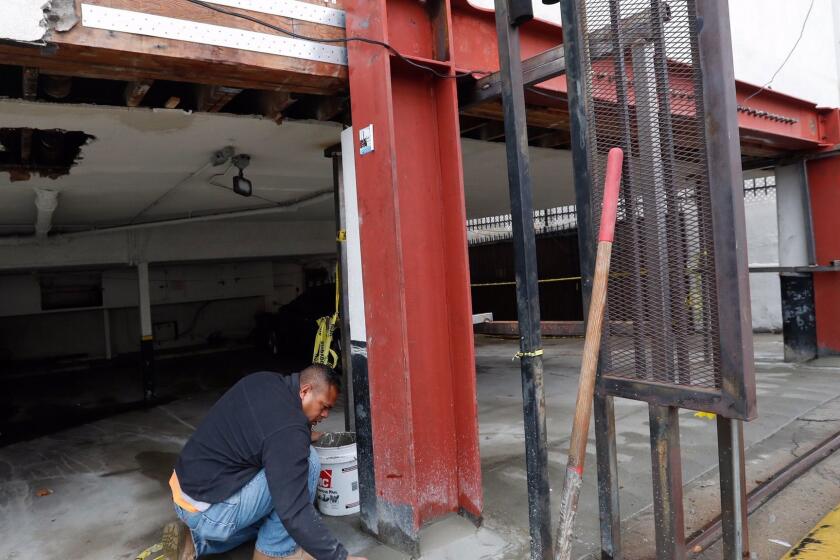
(534, 354)
(323, 353)
(342, 235)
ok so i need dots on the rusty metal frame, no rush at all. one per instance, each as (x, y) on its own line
(668, 513)
(735, 396)
(735, 399)
(527, 287)
(730, 237)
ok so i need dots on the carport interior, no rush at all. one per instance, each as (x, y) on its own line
(147, 189)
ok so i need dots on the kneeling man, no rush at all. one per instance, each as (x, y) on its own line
(249, 471)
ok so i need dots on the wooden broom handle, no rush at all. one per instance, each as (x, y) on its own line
(589, 364)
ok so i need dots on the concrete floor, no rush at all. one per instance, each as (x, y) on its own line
(107, 496)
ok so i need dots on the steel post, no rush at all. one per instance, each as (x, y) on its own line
(147, 344)
(357, 350)
(737, 370)
(579, 134)
(667, 482)
(733, 491)
(527, 287)
(799, 316)
(106, 328)
(344, 307)
(824, 196)
(607, 459)
(415, 269)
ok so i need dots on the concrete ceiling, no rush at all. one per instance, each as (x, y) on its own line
(139, 155)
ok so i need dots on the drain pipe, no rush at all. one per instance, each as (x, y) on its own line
(46, 201)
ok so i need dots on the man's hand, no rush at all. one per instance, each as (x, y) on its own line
(315, 436)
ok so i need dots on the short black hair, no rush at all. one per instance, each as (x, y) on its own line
(321, 375)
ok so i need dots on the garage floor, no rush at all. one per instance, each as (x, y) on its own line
(99, 491)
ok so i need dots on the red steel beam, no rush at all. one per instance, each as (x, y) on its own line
(423, 404)
(824, 188)
(774, 119)
(771, 120)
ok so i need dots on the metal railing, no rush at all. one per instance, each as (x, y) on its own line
(500, 228)
(492, 229)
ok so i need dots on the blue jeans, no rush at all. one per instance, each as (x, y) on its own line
(246, 515)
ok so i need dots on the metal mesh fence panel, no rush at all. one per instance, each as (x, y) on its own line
(644, 90)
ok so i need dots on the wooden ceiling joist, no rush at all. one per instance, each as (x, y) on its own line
(329, 108)
(272, 104)
(213, 99)
(91, 52)
(30, 83)
(136, 90)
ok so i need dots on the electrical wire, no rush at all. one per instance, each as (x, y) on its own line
(252, 195)
(169, 191)
(344, 40)
(273, 202)
(222, 174)
(787, 58)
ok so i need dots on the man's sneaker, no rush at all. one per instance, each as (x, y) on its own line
(177, 542)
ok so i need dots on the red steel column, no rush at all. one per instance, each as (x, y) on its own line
(824, 186)
(421, 366)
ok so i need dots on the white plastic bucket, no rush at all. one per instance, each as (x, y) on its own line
(338, 485)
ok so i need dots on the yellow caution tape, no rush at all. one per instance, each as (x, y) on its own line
(552, 280)
(706, 415)
(544, 281)
(534, 354)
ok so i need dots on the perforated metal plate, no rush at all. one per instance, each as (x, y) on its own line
(290, 8)
(673, 337)
(112, 19)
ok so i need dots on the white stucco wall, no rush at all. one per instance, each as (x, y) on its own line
(763, 249)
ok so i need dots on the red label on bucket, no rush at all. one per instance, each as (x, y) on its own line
(326, 478)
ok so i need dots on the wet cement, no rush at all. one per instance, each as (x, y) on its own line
(107, 480)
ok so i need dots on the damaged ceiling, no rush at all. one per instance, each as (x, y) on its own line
(140, 165)
(147, 165)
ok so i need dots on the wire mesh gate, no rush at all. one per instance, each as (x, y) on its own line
(656, 79)
(644, 86)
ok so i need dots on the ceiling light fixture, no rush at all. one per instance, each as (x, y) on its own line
(241, 185)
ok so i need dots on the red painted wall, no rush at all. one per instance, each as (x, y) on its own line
(824, 184)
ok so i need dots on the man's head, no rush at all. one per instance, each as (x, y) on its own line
(319, 388)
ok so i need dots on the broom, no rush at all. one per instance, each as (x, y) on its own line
(589, 365)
